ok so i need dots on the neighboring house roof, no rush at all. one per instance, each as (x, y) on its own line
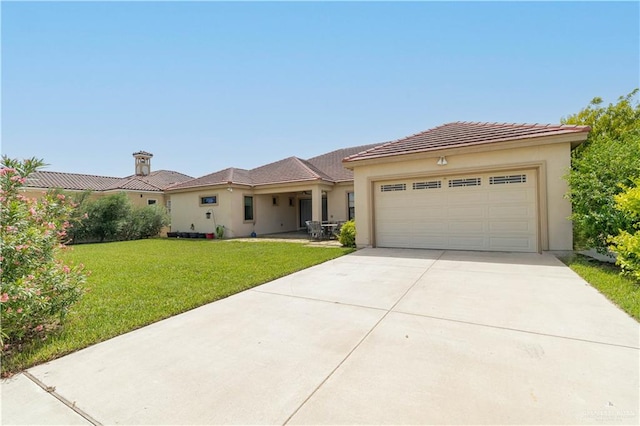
(73, 181)
(464, 134)
(156, 181)
(327, 167)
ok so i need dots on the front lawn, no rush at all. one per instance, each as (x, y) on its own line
(136, 283)
(606, 278)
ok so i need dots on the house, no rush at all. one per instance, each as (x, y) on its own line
(144, 187)
(468, 186)
(277, 197)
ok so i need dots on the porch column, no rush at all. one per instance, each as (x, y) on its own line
(316, 204)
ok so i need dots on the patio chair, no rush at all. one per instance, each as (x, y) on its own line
(315, 229)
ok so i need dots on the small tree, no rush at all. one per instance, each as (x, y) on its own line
(37, 289)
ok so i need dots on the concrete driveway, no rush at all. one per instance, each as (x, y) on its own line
(381, 336)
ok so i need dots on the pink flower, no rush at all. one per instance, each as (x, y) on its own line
(4, 297)
(66, 269)
(51, 225)
(32, 211)
(61, 197)
(19, 310)
(39, 328)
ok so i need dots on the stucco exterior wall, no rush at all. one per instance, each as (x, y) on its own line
(337, 202)
(551, 160)
(187, 210)
(272, 218)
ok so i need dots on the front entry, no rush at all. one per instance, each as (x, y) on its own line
(306, 213)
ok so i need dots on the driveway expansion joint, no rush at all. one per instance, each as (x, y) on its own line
(331, 302)
(517, 330)
(51, 390)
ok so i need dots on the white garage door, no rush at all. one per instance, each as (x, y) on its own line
(485, 211)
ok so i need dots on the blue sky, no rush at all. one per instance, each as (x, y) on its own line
(209, 85)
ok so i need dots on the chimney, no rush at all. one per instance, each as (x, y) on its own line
(143, 163)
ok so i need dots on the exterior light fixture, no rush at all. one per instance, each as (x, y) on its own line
(208, 214)
(442, 161)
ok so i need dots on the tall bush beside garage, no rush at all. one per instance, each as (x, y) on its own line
(605, 163)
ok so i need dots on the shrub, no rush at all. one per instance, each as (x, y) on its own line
(144, 222)
(114, 218)
(626, 245)
(37, 289)
(348, 234)
(598, 174)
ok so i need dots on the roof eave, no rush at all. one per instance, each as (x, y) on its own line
(575, 138)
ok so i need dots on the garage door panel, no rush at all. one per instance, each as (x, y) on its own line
(426, 229)
(517, 211)
(465, 196)
(510, 244)
(511, 196)
(525, 227)
(467, 243)
(461, 227)
(490, 211)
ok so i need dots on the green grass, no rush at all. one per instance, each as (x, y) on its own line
(605, 277)
(136, 283)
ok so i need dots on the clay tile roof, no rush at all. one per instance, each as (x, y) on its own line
(71, 181)
(223, 177)
(290, 169)
(331, 162)
(463, 134)
(156, 181)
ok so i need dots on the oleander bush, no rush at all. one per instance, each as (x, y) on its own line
(37, 288)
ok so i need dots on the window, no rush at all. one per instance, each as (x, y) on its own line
(457, 183)
(393, 187)
(501, 180)
(351, 206)
(432, 184)
(209, 200)
(151, 202)
(169, 206)
(248, 208)
(275, 200)
(291, 202)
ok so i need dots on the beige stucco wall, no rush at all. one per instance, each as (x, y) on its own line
(141, 199)
(186, 210)
(337, 202)
(551, 160)
(268, 218)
